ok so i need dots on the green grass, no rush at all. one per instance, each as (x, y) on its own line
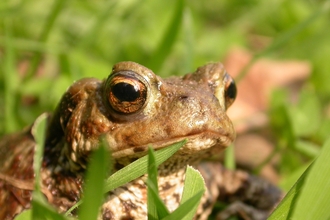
(63, 41)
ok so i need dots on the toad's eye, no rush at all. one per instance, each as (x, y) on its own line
(230, 90)
(126, 92)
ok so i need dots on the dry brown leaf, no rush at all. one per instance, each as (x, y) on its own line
(255, 88)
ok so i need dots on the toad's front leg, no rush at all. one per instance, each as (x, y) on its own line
(247, 196)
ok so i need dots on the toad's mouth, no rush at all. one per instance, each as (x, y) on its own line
(196, 143)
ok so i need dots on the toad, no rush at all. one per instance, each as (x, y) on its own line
(133, 109)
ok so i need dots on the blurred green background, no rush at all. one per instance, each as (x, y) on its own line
(46, 45)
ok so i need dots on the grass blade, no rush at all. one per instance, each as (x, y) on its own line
(10, 79)
(156, 207)
(42, 210)
(182, 212)
(229, 160)
(165, 46)
(189, 42)
(25, 215)
(152, 186)
(139, 167)
(159, 208)
(282, 211)
(304, 200)
(39, 133)
(193, 185)
(46, 30)
(317, 175)
(93, 192)
(40, 207)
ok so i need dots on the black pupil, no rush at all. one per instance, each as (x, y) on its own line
(125, 92)
(231, 90)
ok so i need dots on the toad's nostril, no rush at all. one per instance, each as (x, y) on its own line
(183, 97)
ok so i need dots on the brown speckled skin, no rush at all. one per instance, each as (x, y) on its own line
(16, 158)
(192, 107)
